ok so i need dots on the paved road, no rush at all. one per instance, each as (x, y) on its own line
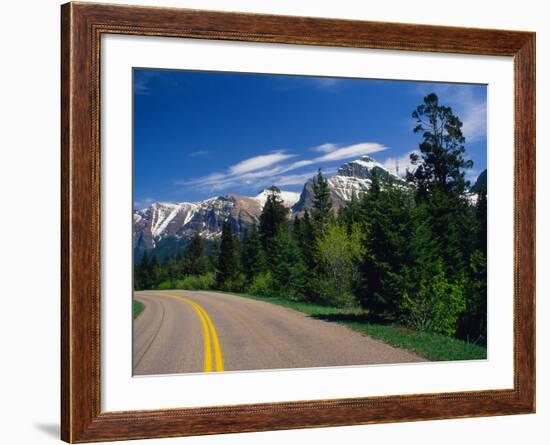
(184, 331)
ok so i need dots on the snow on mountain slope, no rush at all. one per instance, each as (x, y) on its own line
(353, 177)
(289, 198)
(182, 220)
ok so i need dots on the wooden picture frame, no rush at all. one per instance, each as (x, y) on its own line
(82, 25)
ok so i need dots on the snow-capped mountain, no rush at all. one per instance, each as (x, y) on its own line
(351, 178)
(161, 221)
(289, 198)
(182, 220)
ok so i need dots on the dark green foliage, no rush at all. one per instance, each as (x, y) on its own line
(142, 276)
(252, 255)
(154, 270)
(322, 203)
(274, 215)
(287, 266)
(228, 266)
(195, 261)
(351, 214)
(385, 268)
(441, 162)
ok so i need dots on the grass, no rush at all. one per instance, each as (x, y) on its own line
(137, 308)
(426, 344)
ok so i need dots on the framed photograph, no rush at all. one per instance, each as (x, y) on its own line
(275, 222)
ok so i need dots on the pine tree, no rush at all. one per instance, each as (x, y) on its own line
(287, 267)
(227, 261)
(481, 216)
(322, 203)
(154, 271)
(168, 270)
(350, 215)
(195, 259)
(441, 162)
(385, 266)
(440, 183)
(252, 255)
(142, 278)
(274, 215)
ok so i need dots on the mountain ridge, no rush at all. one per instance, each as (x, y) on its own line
(161, 221)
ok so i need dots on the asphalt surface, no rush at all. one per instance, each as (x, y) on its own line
(195, 331)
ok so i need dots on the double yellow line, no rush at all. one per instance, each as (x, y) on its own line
(213, 359)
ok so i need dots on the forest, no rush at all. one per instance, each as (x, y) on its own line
(412, 253)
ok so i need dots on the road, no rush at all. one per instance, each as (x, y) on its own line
(196, 331)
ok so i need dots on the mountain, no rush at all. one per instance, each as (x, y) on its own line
(481, 182)
(165, 226)
(351, 178)
(161, 221)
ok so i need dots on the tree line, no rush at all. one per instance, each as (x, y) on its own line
(409, 252)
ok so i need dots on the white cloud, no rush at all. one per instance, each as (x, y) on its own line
(351, 151)
(325, 148)
(258, 162)
(142, 203)
(326, 82)
(197, 153)
(271, 168)
(399, 165)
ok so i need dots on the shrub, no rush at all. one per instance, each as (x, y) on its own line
(262, 285)
(195, 282)
(338, 253)
(436, 305)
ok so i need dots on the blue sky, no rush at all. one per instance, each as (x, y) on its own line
(204, 134)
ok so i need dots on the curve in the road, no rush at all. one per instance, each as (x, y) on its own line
(210, 335)
(184, 331)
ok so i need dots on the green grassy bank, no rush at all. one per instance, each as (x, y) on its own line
(429, 345)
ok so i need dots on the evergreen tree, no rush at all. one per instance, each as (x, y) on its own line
(481, 216)
(227, 269)
(385, 266)
(142, 278)
(441, 162)
(274, 215)
(440, 183)
(350, 215)
(252, 255)
(195, 259)
(287, 268)
(168, 270)
(154, 271)
(322, 203)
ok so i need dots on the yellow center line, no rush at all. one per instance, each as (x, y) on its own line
(209, 333)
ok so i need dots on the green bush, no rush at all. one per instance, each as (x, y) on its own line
(166, 284)
(262, 285)
(236, 283)
(436, 305)
(338, 252)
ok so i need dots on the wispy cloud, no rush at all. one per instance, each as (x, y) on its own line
(351, 151)
(258, 162)
(142, 203)
(325, 148)
(274, 168)
(197, 153)
(142, 81)
(326, 82)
